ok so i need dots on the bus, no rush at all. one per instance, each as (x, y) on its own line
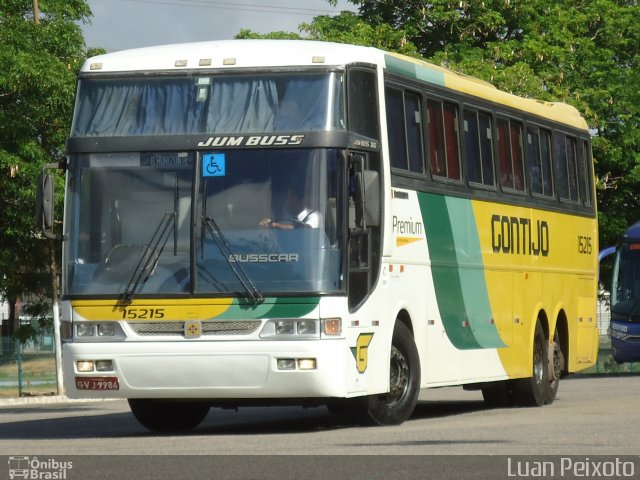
(625, 297)
(256, 222)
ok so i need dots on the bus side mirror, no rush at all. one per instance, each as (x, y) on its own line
(45, 202)
(368, 197)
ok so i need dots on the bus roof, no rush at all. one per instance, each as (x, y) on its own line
(237, 54)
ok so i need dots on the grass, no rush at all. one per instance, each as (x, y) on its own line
(38, 376)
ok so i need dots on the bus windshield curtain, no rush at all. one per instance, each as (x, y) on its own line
(242, 106)
(134, 107)
(125, 107)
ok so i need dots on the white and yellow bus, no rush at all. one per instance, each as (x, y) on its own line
(267, 222)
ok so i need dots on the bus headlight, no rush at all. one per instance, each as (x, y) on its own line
(98, 331)
(292, 328)
(85, 330)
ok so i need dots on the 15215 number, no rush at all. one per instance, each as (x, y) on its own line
(142, 313)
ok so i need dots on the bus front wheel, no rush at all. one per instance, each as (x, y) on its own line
(398, 404)
(168, 416)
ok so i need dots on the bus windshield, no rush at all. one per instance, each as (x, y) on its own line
(625, 292)
(167, 105)
(170, 223)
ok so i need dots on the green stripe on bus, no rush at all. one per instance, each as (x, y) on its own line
(471, 270)
(446, 274)
(413, 70)
(458, 275)
(290, 307)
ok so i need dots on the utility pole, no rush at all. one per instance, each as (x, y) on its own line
(56, 314)
(36, 12)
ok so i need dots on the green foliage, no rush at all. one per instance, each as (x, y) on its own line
(245, 33)
(38, 66)
(24, 333)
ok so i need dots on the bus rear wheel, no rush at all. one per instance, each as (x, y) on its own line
(556, 368)
(168, 416)
(398, 404)
(533, 391)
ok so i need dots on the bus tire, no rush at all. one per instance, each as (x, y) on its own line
(398, 404)
(556, 368)
(534, 390)
(168, 416)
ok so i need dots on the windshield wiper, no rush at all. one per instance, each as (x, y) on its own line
(252, 292)
(149, 258)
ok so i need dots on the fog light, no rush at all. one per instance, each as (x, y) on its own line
(106, 329)
(104, 365)
(84, 366)
(285, 327)
(85, 330)
(306, 363)
(307, 327)
(286, 364)
(332, 326)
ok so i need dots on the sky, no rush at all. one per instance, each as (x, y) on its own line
(122, 24)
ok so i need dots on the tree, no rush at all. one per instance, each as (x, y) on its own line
(344, 28)
(580, 52)
(39, 58)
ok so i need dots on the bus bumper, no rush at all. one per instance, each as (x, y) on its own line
(207, 370)
(625, 341)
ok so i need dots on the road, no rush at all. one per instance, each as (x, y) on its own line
(591, 416)
(592, 424)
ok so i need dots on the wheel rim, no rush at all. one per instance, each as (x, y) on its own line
(398, 378)
(538, 363)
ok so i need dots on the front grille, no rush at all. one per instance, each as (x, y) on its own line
(209, 327)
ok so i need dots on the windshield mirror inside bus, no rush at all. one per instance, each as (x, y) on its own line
(133, 224)
(209, 104)
(625, 294)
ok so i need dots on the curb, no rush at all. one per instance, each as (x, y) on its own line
(48, 400)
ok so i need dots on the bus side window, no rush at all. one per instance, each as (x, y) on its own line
(545, 155)
(538, 149)
(363, 103)
(395, 128)
(478, 147)
(566, 164)
(510, 154)
(584, 172)
(444, 146)
(404, 118)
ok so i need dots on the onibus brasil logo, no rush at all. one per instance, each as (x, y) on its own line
(38, 469)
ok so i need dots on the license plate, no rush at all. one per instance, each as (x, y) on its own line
(97, 383)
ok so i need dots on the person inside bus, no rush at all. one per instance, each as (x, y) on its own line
(299, 214)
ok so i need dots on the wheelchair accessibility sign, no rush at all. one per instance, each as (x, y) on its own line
(214, 165)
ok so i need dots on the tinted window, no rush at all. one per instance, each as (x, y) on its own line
(585, 173)
(564, 152)
(395, 127)
(443, 139)
(478, 147)
(363, 103)
(510, 154)
(538, 152)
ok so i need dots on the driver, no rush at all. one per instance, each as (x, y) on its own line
(300, 214)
